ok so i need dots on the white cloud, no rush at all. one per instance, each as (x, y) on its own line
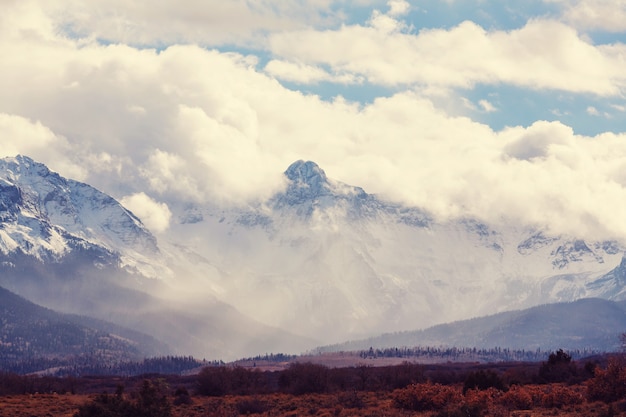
(19, 135)
(156, 216)
(189, 124)
(618, 107)
(207, 22)
(602, 15)
(307, 74)
(592, 111)
(398, 7)
(486, 106)
(542, 54)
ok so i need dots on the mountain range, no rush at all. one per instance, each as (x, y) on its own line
(589, 324)
(319, 262)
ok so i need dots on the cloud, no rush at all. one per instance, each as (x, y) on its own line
(601, 15)
(486, 106)
(542, 54)
(535, 142)
(208, 23)
(398, 7)
(156, 216)
(307, 74)
(186, 124)
(19, 135)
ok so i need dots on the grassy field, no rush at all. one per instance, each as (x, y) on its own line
(372, 404)
(557, 387)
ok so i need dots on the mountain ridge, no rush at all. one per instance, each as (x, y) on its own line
(32, 333)
(330, 246)
(48, 216)
(587, 324)
(319, 262)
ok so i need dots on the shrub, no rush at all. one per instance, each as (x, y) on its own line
(425, 396)
(558, 396)
(181, 396)
(216, 381)
(558, 368)
(350, 399)
(304, 378)
(151, 402)
(517, 398)
(481, 399)
(608, 385)
(482, 380)
(251, 406)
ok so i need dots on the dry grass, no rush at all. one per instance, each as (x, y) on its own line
(347, 404)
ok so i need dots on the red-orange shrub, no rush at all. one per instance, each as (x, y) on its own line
(427, 396)
(608, 384)
(517, 398)
(481, 399)
(558, 396)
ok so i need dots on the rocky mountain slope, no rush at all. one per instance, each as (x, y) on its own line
(49, 217)
(33, 336)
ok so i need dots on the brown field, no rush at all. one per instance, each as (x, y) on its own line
(559, 387)
(373, 404)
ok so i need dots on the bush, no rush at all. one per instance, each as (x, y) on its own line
(181, 396)
(558, 368)
(482, 380)
(608, 385)
(481, 399)
(214, 381)
(304, 378)
(558, 396)
(426, 396)
(151, 402)
(251, 406)
(517, 398)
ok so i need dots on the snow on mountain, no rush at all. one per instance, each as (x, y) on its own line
(321, 259)
(48, 217)
(328, 260)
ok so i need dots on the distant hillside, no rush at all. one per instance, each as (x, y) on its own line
(591, 323)
(33, 338)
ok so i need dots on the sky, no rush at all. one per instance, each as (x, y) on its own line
(506, 111)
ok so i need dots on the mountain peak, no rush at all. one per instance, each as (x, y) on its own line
(23, 165)
(307, 179)
(307, 172)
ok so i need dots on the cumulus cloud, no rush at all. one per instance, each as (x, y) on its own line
(156, 216)
(307, 74)
(398, 7)
(208, 23)
(603, 15)
(541, 54)
(187, 124)
(534, 143)
(19, 135)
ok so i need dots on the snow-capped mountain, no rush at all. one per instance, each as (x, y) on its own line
(321, 259)
(69, 247)
(328, 260)
(48, 217)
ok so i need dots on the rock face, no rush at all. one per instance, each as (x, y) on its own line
(48, 217)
